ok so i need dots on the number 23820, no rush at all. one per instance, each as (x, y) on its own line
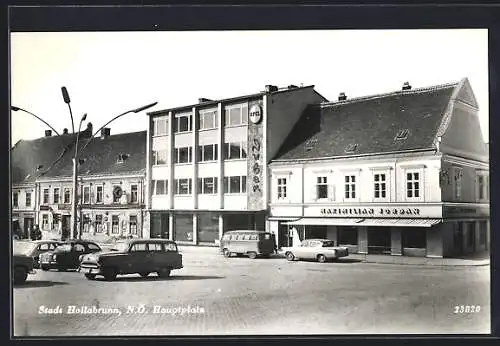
(465, 309)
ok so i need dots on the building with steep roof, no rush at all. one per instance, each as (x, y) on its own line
(111, 183)
(207, 162)
(401, 173)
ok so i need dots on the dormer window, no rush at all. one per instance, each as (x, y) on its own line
(310, 144)
(402, 134)
(122, 158)
(351, 148)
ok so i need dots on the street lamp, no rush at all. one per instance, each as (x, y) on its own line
(76, 161)
(15, 109)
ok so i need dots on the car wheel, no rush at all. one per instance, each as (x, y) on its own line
(144, 274)
(252, 255)
(226, 253)
(289, 256)
(90, 276)
(164, 273)
(109, 273)
(20, 275)
(321, 258)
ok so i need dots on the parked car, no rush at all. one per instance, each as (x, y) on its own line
(37, 247)
(321, 250)
(66, 255)
(133, 256)
(248, 242)
(22, 264)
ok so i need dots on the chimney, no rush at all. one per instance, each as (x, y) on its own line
(202, 99)
(406, 86)
(271, 88)
(48, 133)
(65, 131)
(342, 97)
(89, 131)
(105, 132)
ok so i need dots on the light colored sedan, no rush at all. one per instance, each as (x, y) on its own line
(321, 250)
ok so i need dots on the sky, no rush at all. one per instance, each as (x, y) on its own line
(107, 73)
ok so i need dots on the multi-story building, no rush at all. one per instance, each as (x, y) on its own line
(111, 188)
(111, 184)
(402, 173)
(207, 162)
(29, 160)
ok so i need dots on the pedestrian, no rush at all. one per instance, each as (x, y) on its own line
(38, 233)
(32, 233)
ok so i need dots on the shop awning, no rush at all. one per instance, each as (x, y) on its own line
(312, 221)
(400, 222)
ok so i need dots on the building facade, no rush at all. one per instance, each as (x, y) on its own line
(207, 167)
(403, 173)
(111, 198)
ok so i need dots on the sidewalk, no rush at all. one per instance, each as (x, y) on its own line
(481, 260)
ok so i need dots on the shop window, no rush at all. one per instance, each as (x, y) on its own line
(236, 115)
(379, 186)
(98, 223)
(347, 235)
(235, 150)
(183, 155)
(208, 227)
(160, 157)
(55, 195)
(350, 187)
(133, 194)
(28, 199)
(183, 123)
(413, 185)
(470, 233)
(321, 187)
(413, 238)
(86, 194)
(160, 225)
(208, 119)
(235, 184)
(160, 126)
(207, 185)
(183, 230)
(98, 195)
(183, 186)
(45, 222)
(15, 199)
(483, 229)
(67, 195)
(282, 193)
(115, 228)
(132, 224)
(240, 221)
(207, 152)
(45, 196)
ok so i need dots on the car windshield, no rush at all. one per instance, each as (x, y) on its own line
(64, 247)
(23, 247)
(329, 243)
(122, 246)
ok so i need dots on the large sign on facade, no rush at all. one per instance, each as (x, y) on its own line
(255, 159)
(368, 211)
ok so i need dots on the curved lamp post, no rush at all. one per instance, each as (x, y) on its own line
(76, 162)
(15, 109)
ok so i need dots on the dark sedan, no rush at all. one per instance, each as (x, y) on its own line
(66, 256)
(37, 247)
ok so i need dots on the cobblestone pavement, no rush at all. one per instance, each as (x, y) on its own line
(264, 296)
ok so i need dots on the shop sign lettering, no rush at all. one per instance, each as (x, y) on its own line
(370, 211)
(256, 168)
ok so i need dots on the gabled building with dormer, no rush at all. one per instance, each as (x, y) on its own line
(401, 173)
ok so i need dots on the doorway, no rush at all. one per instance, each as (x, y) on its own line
(458, 239)
(315, 232)
(379, 240)
(65, 227)
(28, 224)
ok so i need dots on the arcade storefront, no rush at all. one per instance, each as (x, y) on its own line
(438, 230)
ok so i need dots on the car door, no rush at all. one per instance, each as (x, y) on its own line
(139, 259)
(77, 250)
(157, 257)
(314, 249)
(41, 248)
